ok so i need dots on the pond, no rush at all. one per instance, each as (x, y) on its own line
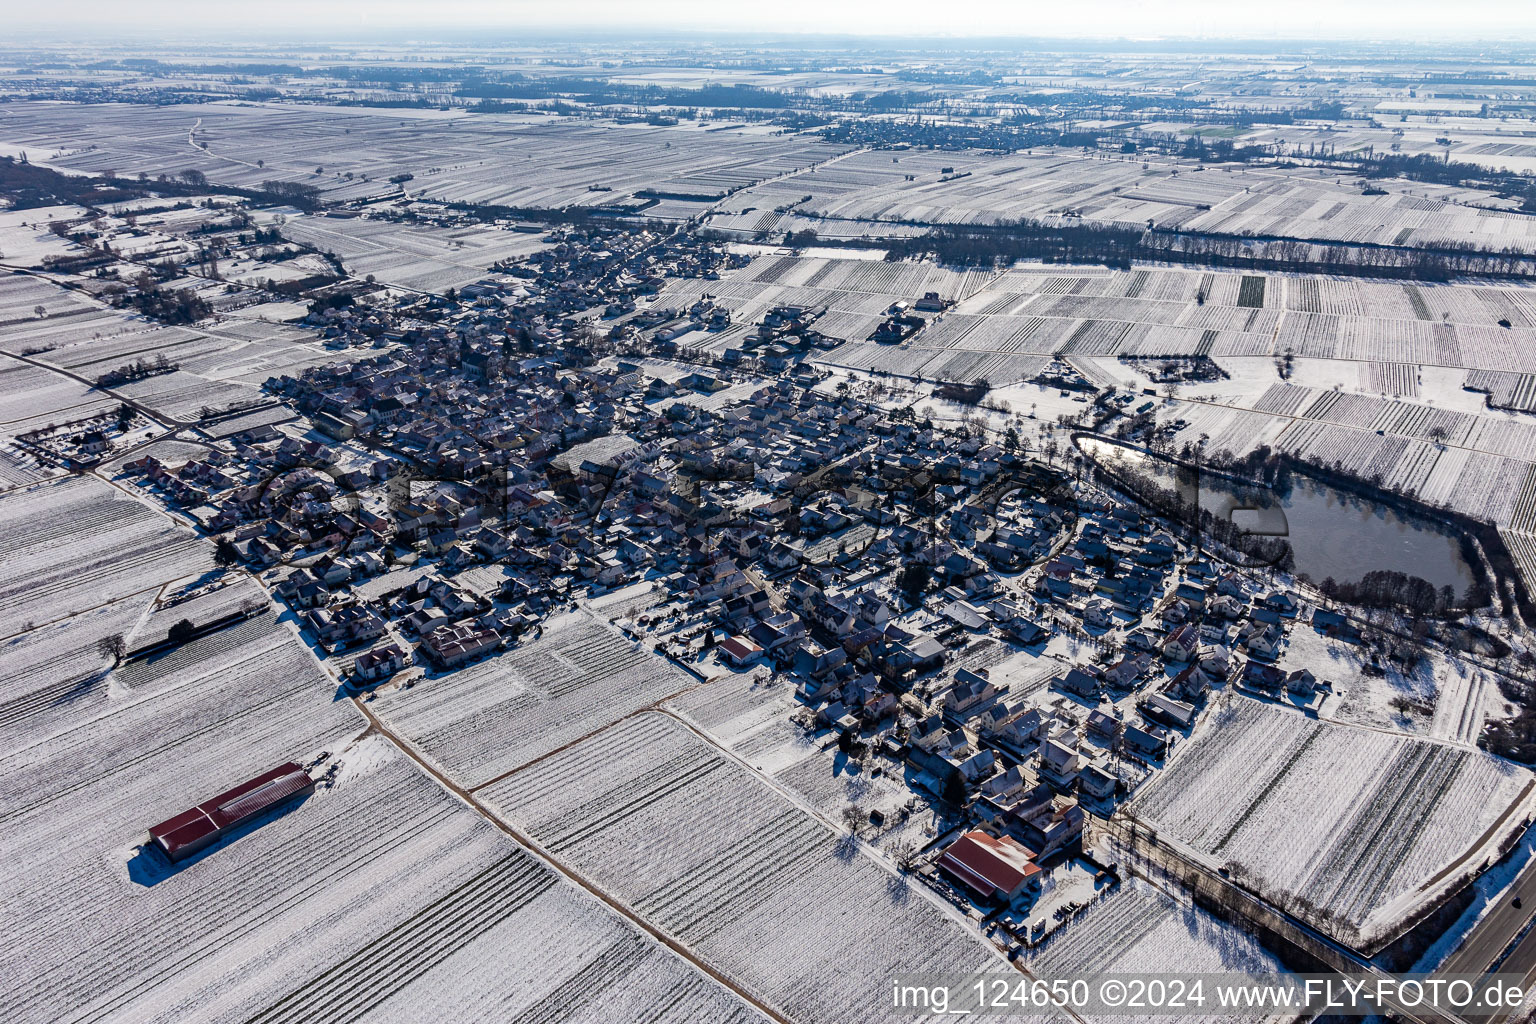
(1332, 533)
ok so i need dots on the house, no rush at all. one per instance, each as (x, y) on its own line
(1266, 680)
(1018, 727)
(1024, 632)
(1099, 614)
(1191, 593)
(1301, 682)
(1124, 673)
(966, 615)
(1189, 685)
(1162, 708)
(1215, 663)
(778, 632)
(1095, 782)
(816, 661)
(739, 651)
(977, 767)
(1232, 585)
(380, 663)
(1181, 644)
(451, 646)
(901, 653)
(1152, 741)
(1078, 681)
(1059, 763)
(1225, 606)
(1002, 789)
(1051, 827)
(1106, 725)
(1331, 623)
(971, 694)
(1265, 643)
(337, 628)
(1280, 602)
(995, 869)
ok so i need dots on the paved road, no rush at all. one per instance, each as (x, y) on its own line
(1498, 928)
(1504, 939)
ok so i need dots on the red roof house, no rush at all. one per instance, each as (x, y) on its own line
(739, 651)
(991, 867)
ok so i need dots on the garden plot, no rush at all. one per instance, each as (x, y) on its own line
(381, 896)
(1506, 390)
(1522, 548)
(1139, 929)
(578, 676)
(712, 855)
(200, 599)
(18, 467)
(113, 339)
(77, 543)
(1397, 379)
(237, 648)
(32, 244)
(1445, 698)
(185, 396)
(1351, 829)
(1384, 440)
(1005, 328)
(21, 294)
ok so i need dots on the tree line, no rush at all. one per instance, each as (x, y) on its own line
(1075, 241)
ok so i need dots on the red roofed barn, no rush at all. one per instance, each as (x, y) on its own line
(991, 867)
(192, 830)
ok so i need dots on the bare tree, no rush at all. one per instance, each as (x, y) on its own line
(113, 646)
(853, 818)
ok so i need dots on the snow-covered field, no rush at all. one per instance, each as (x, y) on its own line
(382, 896)
(716, 857)
(1351, 828)
(77, 543)
(754, 721)
(1139, 929)
(577, 677)
(412, 256)
(350, 153)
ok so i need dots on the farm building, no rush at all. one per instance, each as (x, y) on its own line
(992, 867)
(195, 829)
(740, 651)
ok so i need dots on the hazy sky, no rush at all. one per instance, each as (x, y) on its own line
(1287, 19)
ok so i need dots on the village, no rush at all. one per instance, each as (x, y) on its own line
(951, 608)
(654, 536)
